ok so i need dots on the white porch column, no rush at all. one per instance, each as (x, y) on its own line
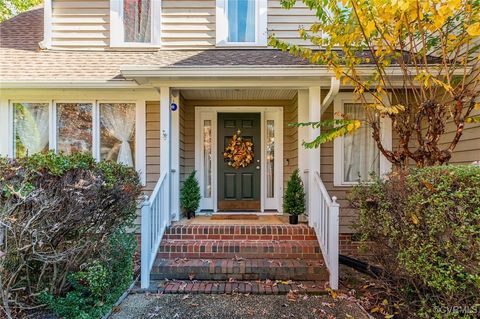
(175, 160)
(303, 135)
(314, 106)
(165, 138)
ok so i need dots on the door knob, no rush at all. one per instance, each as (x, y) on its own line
(258, 167)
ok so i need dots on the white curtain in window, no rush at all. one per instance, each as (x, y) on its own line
(241, 20)
(361, 156)
(137, 20)
(31, 125)
(121, 125)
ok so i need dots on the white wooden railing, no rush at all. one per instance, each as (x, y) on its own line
(324, 218)
(155, 218)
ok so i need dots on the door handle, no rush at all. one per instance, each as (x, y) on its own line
(258, 167)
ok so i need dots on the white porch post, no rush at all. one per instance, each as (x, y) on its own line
(175, 161)
(165, 139)
(314, 105)
(303, 135)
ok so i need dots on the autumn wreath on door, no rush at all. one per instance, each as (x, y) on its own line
(239, 152)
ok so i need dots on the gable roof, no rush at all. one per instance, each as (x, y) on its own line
(21, 59)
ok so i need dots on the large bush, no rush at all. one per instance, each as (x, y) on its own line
(426, 229)
(58, 214)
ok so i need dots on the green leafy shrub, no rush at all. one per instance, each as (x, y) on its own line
(190, 194)
(59, 213)
(294, 198)
(426, 229)
(98, 286)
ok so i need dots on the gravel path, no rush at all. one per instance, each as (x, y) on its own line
(235, 306)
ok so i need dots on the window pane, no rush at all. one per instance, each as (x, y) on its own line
(270, 157)
(137, 20)
(117, 132)
(74, 127)
(241, 20)
(207, 158)
(31, 128)
(361, 155)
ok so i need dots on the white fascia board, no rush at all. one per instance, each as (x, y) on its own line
(133, 71)
(68, 84)
(146, 71)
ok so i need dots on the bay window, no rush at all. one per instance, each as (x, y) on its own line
(241, 22)
(117, 132)
(356, 155)
(135, 23)
(105, 130)
(31, 128)
(74, 128)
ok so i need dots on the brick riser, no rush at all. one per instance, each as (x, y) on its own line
(234, 248)
(250, 269)
(253, 232)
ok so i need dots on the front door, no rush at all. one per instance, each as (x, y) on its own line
(239, 175)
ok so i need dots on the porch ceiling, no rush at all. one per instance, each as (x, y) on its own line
(238, 94)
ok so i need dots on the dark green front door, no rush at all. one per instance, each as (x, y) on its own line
(239, 188)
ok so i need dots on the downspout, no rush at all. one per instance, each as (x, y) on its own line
(334, 89)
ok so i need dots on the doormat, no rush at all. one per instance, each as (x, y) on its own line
(234, 217)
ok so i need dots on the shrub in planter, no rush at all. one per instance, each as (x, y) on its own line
(190, 195)
(426, 228)
(294, 198)
(62, 212)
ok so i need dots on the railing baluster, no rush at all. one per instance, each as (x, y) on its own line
(325, 217)
(153, 222)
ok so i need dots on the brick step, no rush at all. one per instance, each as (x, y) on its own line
(238, 287)
(240, 232)
(231, 269)
(204, 249)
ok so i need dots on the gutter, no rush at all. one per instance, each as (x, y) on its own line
(252, 71)
(334, 89)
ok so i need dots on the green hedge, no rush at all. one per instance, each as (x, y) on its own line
(426, 230)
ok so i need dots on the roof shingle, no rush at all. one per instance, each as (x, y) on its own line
(22, 60)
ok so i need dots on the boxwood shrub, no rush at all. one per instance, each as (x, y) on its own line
(425, 226)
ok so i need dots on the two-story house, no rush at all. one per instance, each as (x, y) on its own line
(163, 85)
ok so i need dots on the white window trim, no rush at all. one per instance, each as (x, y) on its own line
(260, 25)
(140, 134)
(338, 144)
(211, 113)
(117, 29)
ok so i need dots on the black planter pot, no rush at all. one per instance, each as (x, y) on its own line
(190, 215)
(293, 219)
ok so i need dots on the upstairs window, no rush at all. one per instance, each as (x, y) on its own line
(241, 22)
(135, 23)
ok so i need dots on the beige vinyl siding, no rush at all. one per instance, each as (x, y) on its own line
(347, 214)
(468, 148)
(186, 24)
(285, 23)
(152, 125)
(80, 24)
(290, 140)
